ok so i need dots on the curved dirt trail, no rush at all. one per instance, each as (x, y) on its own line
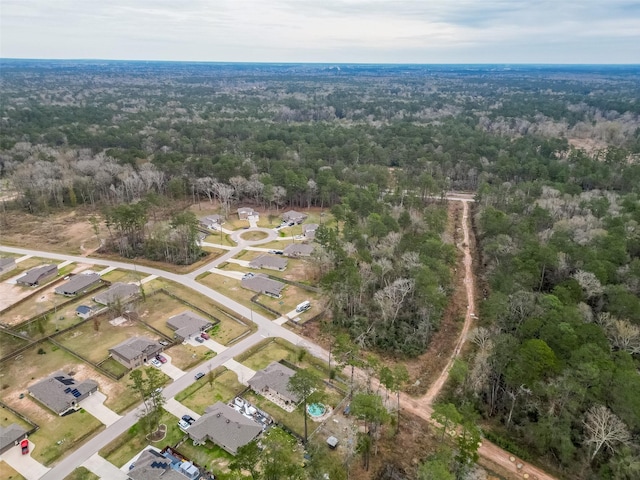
(422, 406)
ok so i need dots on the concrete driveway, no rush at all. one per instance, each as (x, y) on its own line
(174, 407)
(94, 404)
(103, 468)
(170, 369)
(244, 373)
(210, 344)
(24, 464)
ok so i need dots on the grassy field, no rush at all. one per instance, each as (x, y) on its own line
(201, 394)
(123, 448)
(126, 276)
(169, 267)
(276, 244)
(218, 239)
(273, 351)
(8, 473)
(9, 343)
(95, 346)
(157, 310)
(81, 473)
(7, 417)
(185, 356)
(248, 255)
(114, 367)
(253, 236)
(232, 289)
(292, 297)
(229, 329)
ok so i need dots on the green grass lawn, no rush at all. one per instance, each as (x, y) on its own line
(228, 330)
(7, 417)
(252, 236)
(8, 473)
(273, 351)
(218, 239)
(231, 288)
(125, 276)
(293, 420)
(9, 343)
(202, 393)
(114, 367)
(276, 244)
(291, 298)
(123, 448)
(81, 473)
(186, 356)
(210, 456)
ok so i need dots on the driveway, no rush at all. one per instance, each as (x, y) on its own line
(244, 373)
(170, 369)
(24, 464)
(210, 344)
(174, 407)
(103, 468)
(94, 404)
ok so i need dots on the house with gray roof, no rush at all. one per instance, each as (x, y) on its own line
(245, 212)
(297, 250)
(7, 264)
(10, 436)
(135, 351)
(118, 292)
(154, 465)
(269, 261)
(62, 393)
(38, 275)
(187, 324)
(293, 217)
(79, 284)
(211, 221)
(309, 230)
(274, 380)
(225, 427)
(260, 283)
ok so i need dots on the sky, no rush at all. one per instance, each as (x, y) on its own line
(326, 31)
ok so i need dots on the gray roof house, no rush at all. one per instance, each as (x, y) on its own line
(7, 264)
(260, 283)
(297, 250)
(62, 393)
(269, 261)
(293, 216)
(78, 284)
(274, 380)
(118, 292)
(211, 220)
(10, 436)
(135, 351)
(244, 212)
(38, 275)
(225, 427)
(309, 230)
(153, 465)
(187, 324)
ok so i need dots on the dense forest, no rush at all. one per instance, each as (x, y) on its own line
(553, 154)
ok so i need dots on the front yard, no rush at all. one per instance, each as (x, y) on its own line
(201, 394)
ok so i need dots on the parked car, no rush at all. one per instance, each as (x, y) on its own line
(164, 343)
(205, 335)
(24, 445)
(189, 419)
(183, 425)
(161, 358)
(247, 275)
(199, 339)
(278, 252)
(155, 363)
(199, 375)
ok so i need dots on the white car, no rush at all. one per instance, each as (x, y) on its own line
(183, 425)
(155, 363)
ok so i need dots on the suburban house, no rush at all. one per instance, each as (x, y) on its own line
(309, 230)
(10, 436)
(297, 250)
(188, 324)
(273, 380)
(269, 261)
(225, 427)
(78, 284)
(135, 351)
(62, 393)
(7, 264)
(260, 283)
(164, 465)
(293, 217)
(245, 212)
(118, 292)
(84, 311)
(38, 275)
(211, 221)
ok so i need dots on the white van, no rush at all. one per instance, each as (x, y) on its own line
(304, 306)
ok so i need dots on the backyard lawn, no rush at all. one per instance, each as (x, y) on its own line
(7, 417)
(201, 394)
(210, 456)
(271, 350)
(123, 448)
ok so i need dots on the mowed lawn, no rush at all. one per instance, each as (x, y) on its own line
(81, 473)
(8, 473)
(268, 352)
(199, 395)
(185, 356)
(95, 346)
(124, 447)
(292, 296)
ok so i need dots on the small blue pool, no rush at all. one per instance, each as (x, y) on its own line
(316, 409)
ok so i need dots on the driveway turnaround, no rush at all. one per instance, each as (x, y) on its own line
(104, 469)
(174, 407)
(244, 373)
(94, 404)
(24, 464)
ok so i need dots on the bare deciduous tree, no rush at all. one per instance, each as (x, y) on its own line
(589, 283)
(391, 297)
(604, 428)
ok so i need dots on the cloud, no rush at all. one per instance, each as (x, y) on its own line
(325, 30)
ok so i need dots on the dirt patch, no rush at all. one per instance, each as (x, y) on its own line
(589, 145)
(159, 434)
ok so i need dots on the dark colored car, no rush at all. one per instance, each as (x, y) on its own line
(199, 375)
(189, 419)
(199, 339)
(161, 359)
